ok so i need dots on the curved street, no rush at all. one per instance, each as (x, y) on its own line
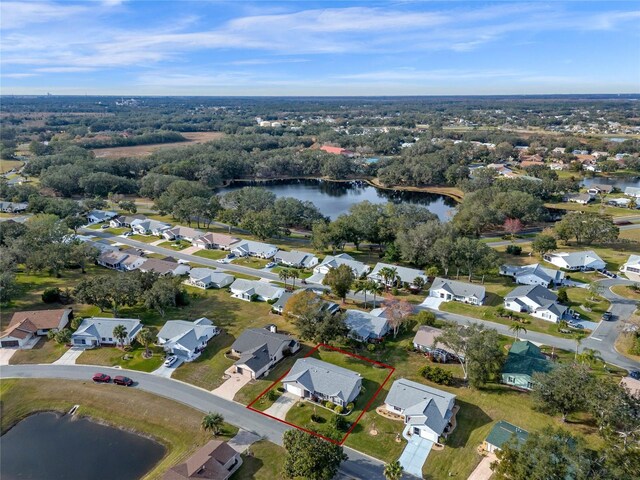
(357, 466)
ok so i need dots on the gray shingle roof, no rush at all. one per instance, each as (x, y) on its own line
(536, 293)
(426, 405)
(294, 257)
(331, 261)
(103, 327)
(207, 275)
(459, 289)
(257, 345)
(325, 378)
(365, 325)
(251, 287)
(407, 275)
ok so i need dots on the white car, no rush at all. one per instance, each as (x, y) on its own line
(170, 361)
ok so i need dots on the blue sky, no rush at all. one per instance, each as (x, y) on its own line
(319, 48)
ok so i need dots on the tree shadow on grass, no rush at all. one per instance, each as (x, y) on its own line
(250, 467)
(469, 418)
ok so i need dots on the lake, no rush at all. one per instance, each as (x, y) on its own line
(335, 198)
(48, 446)
(618, 182)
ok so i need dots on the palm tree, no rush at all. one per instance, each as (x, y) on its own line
(212, 422)
(284, 275)
(590, 357)
(389, 275)
(517, 328)
(393, 470)
(120, 334)
(376, 289)
(361, 286)
(145, 337)
(293, 274)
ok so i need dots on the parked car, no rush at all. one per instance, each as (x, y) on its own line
(120, 380)
(607, 316)
(271, 265)
(170, 361)
(127, 234)
(101, 378)
(575, 325)
(635, 374)
(104, 227)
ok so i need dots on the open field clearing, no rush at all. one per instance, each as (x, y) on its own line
(142, 150)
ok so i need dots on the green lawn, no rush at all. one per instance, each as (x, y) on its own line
(263, 461)
(133, 359)
(251, 262)
(133, 409)
(144, 238)
(211, 254)
(581, 298)
(45, 351)
(175, 245)
(626, 291)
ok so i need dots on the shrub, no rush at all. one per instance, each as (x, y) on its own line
(329, 404)
(350, 406)
(514, 249)
(339, 423)
(437, 375)
(562, 295)
(182, 298)
(51, 295)
(75, 322)
(395, 291)
(272, 301)
(371, 347)
(501, 311)
(338, 409)
(272, 395)
(425, 318)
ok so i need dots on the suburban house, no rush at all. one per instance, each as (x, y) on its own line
(124, 221)
(99, 216)
(524, 359)
(13, 207)
(217, 460)
(459, 291)
(404, 274)
(146, 226)
(25, 327)
(249, 248)
(501, 433)
(366, 327)
(132, 262)
(97, 331)
(164, 267)
(582, 261)
(337, 151)
(208, 278)
(325, 305)
(632, 192)
(426, 411)
(534, 274)
(537, 301)
(120, 261)
(581, 198)
(186, 339)
(259, 349)
(425, 341)
(600, 189)
(217, 241)
(322, 381)
(182, 233)
(252, 290)
(296, 259)
(331, 261)
(631, 268)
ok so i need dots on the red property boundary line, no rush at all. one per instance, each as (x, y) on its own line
(364, 410)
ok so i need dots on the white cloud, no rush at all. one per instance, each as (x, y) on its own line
(18, 14)
(18, 75)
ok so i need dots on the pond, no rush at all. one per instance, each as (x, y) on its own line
(335, 198)
(48, 446)
(620, 182)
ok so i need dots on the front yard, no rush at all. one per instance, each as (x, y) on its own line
(132, 359)
(175, 245)
(211, 254)
(251, 262)
(45, 351)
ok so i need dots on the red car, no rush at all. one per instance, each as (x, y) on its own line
(120, 380)
(101, 378)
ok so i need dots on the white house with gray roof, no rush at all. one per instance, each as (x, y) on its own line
(250, 290)
(534, 274)
(186, 339)
(426, 411)
(13, 207)
(97, 331)
(207, 278)
(99, 216)
(576, 261)
(147, 226)
(631, 268)
(366, 327)
(632, 192)
(296, 258)
(124, 221)
(180, 232)
(404, 274)
(249, 248)
(317, 380)
(259, 349)
(537, 301)
(449, 290)
(334, 261)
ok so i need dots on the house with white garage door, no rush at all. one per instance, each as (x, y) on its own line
(208, 278)
(250, 290)
(186, 339)
(322, 381)
(26, 326)
(453, 290)
(576, 261)
(97, 331)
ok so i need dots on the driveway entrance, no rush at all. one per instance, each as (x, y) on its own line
(231, 386)
(415, 454)
(70, 356)
(282, 405)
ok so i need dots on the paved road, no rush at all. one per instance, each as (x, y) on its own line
(358, 465)
(502, 243)
(605, 333)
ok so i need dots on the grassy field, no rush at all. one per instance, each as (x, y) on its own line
(6, 165)
(594, 207)
(175, 245)
(251, 262)
(133, 359)
(45, 351)
(144, 150)
(133, 409)
(631, 234)
(145, 238)
(211, 254)
(626, 291)
(263, 463)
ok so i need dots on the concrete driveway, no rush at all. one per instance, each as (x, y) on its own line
(231, 386)
(415, 454)
(191, 250)
(6, 354)
(282, 405)
(243, 440)
(432, 302)
(483, 470)
(166, 372)
(70, 356)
